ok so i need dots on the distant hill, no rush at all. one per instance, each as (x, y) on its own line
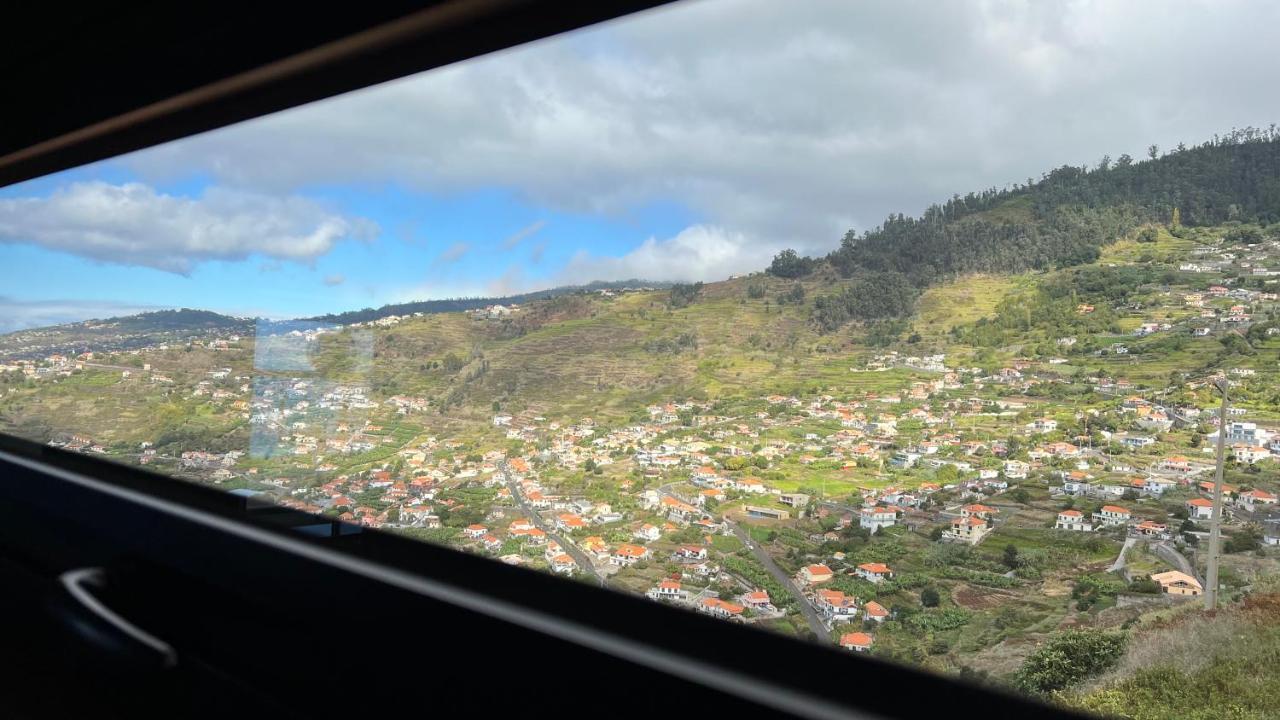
(470, 303)
(128, 332)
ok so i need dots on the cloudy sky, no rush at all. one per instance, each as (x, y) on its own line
(689, 142)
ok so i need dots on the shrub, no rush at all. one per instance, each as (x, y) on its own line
(1069, 658)
(929, 597)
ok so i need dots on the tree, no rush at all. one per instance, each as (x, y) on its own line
(1010, 558)
(936, 533)
(929, 597)
(1069, 658)
(789, 264)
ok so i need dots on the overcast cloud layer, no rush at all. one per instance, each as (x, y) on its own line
(776, 123)
(784, 124)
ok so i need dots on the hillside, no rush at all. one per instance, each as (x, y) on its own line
(129, 332)
(1063, 219)
(1196, 667)
(472, 303)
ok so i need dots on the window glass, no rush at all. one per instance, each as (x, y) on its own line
(903, 328)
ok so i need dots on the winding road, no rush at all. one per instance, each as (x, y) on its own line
(1170, 554)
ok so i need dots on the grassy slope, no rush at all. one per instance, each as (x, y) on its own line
(1197, 667)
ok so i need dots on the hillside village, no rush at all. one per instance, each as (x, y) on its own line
(933, 500)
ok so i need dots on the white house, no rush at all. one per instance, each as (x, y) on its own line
(1112, 515)
(1073, 520)
(1200, 509)
(874, 572)
(874, 518)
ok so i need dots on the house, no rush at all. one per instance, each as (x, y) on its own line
(648, 532)
(1256, 498)
(835, 606)
(627, 555)
(1177, 583)
(757, 599)
(874, 518)
(475, 532)
(1112, 515)
(1062, 449)
(1151, 528)
(856, 641)
(666, 590)
(1200, 509)
(1075, 486)
(814, 574)
(1249, 454)
(1176, 464)
(691, 552)
(1043, 425)
(750, 485)
(721, 609)
(875, 612)
(1016, 469)
(968, 530)
(874, 572)
(1073, 520)
(562, 563)
(569, 522)
(795, 500)
(976, 510)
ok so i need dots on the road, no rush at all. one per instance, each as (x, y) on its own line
(1171, 555)
(810, 614)
(1118, 565)
(570, 549)
(806, 608)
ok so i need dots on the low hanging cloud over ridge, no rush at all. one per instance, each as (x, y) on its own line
(133, 224)
(699, 252)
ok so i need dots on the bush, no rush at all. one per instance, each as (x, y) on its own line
(939, 620)
(1145, 585)
(789, 264)
(1069, 658)
(929, 597)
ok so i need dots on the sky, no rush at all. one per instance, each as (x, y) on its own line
(690, 142)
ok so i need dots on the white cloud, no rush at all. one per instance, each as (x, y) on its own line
(699, 252)
(334, 280)
(453, 253)
(133, 224)
(523, 233)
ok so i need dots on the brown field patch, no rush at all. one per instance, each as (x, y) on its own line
(971, 597)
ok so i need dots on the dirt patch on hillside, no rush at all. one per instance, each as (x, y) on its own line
(1056, 588)
(980, 598)
(1004, 657)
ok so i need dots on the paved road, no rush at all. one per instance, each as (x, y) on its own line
(570, 549)
(1118, 565)
(806, 608)
(810, 614)
(1170, 554)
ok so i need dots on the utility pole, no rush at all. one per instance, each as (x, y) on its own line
(1215, 523)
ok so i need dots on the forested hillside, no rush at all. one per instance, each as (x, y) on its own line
(1061, 220)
